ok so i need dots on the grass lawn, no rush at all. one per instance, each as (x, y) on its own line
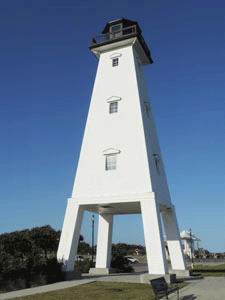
(99, 290)
(209, 270)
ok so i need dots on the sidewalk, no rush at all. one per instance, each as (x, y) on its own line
(208, 288)
(46, 288)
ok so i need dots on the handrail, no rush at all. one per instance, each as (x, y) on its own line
(126, 32)
(114, 35)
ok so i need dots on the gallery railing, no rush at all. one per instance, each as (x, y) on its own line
(117, 35)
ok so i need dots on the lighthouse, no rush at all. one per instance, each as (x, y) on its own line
(120, 169)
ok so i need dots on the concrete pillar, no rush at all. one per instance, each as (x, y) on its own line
(70, 235)
(154, 242)
(173, 240)
(104, 243)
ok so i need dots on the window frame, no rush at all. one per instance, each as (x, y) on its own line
(115, 62)
(110, 162)
(116, 27)
(113, 107)
(116, 30)
(110, 152)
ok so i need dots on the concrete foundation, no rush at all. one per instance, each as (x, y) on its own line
(101, 271)
(145, 278)
(181, 273)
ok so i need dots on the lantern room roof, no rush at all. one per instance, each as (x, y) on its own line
(125, 22)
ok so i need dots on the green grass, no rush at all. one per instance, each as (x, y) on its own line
(100, 291)
(216, 270)
(219, 267)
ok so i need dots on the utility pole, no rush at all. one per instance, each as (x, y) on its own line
(192, 258)
(92, 248)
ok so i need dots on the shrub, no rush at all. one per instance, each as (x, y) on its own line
(21, 277)
(119, 261)
(52, 271)
(121, 264)
(83, 266)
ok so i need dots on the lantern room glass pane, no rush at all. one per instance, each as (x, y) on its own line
(115, 28)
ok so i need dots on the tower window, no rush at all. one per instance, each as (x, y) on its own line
(156, 158)
(115, 62)
(113, 107)
(110, 163)
(115, 28)
(116, 31)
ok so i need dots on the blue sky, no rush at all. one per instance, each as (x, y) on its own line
(46, 78)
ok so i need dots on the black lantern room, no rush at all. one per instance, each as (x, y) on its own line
(119, 30)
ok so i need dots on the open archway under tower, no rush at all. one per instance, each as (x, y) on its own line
(151, 213)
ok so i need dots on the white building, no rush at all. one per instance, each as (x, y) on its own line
(120, 169)
(189, 239)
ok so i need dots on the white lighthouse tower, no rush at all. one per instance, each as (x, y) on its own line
(120, 169)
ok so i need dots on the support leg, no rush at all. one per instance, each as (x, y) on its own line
(104, 244)
(70, 235)
(154, 242)
(173, 240)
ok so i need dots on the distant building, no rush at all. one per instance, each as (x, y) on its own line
(189, 239)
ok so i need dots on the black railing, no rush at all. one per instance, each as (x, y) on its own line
(118, 35)
(114, 35)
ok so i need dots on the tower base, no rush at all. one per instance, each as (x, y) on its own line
(181, 273)
(170, 278)
(101, 271)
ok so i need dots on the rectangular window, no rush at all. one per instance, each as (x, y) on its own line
(115, 62)
(113, 107)
(116, 31)
(110, 163)
(115, 28)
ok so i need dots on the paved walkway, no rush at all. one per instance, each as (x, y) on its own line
(45, 288)
(208, 288)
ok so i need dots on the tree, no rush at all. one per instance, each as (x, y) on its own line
(83, 248)
(45, 238)
(17, 243)
(119, 261)
(21, 262)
